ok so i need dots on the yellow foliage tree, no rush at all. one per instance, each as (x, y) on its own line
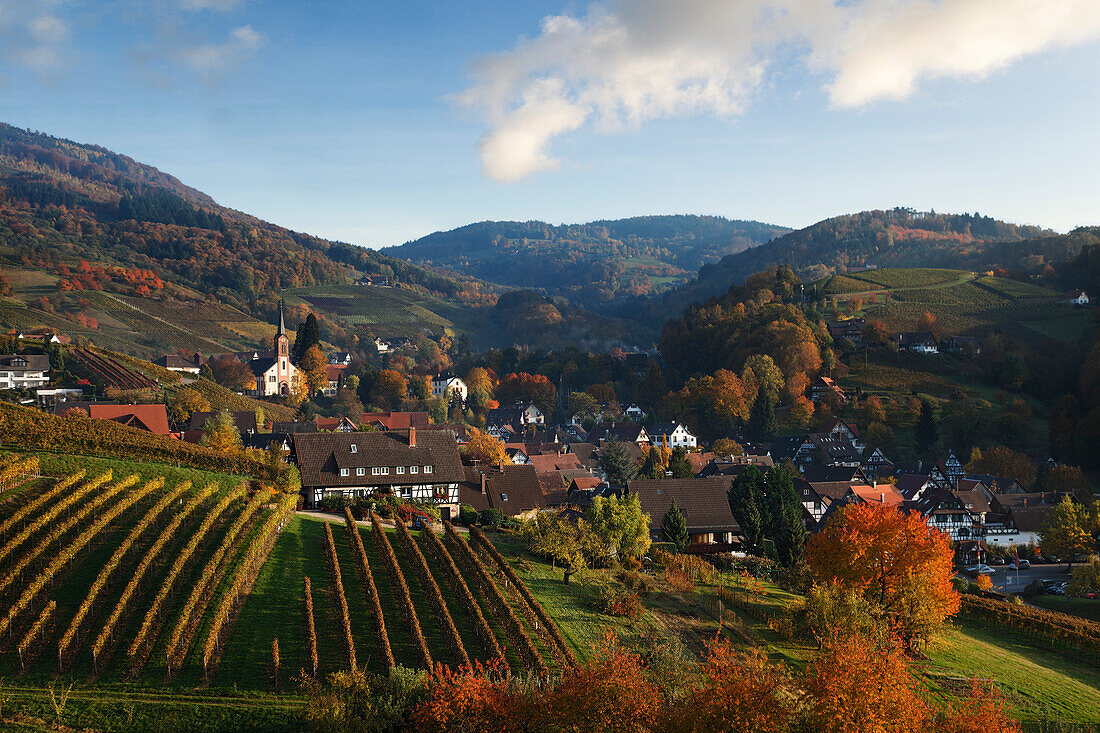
(485, 449)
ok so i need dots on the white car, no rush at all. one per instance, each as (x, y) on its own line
(981, 570)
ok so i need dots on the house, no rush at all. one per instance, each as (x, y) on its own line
(518, 416)
(851, 329)
(730, 466)
(150, 418)
(334, 376)
(626, 432)
(244, 420)
(373, 281)
(449, 386)
(263, 441)
(827, 449)
(783, 447)
(517, 454)
(976, 504)
(875, 463)
(274, 374)
(514, 490)
(382, 345)
(919, 342)
(963, 345)
(406, 463)
(945, 511)
(1076, 297)
(634, 412)
(177, 363)
(702, 501)
(340, 357)
(672, 435)
(335, 424)
(43, 338)
(395, 420)
(999, 484)
(459, 431)
(837, 428)
(913, 485)
(294, 428)
(24, 371)
(50, 396)
(953, 467)
(826, 389)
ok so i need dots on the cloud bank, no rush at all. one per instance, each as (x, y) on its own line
(627, 61)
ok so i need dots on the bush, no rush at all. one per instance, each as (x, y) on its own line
(695, 568)
(467, 515)
(617, 602)
(656, 547)
(491, 518)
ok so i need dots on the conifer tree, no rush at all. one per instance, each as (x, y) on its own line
(616, 462)
(744, 496)
(925, 431)
(762, 424)
(674, 527)
(679, 465)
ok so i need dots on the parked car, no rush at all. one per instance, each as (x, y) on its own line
(1025, 564)
(1059, 589)
(997, 561)
(980, 570)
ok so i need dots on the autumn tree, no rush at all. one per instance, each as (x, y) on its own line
(1004, 462)
(894, 559)
(479, 389)
(984, 710)
(187, 401)
(736, 692)
(1086, 578)
(856, 686)
(229, 372)
(726, 447)
(620, 525)
(927, 322)
(314, 365)
(389, 388)
(484, 449)
(674, 527)
(221, 434)
(1069, 529)
(761, 376)
(1067, 479)
(582, 404)
(655, 463)
(524, 387)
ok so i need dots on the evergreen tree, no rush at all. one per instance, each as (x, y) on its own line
(784, 516)
(674, 527)
(309, 334)
(679, 465)
(616, 463)
(925, 431)
(762, 424)
(653, 467)
(744, 497)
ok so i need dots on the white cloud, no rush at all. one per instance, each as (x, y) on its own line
(33, 35)
(627, 61)
(212, 59)
(222, 5)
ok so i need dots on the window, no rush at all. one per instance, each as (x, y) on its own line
(374, 471)
(360, 472)
(401, 469)
(343, 472)
(384, 470)
(427, 469)
(414, 469)
(271, 377)
(354, 448)
(504, 497)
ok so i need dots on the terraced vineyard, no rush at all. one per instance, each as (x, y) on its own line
(388, 311)
(962, 302)
(96, 568)
(110, 579)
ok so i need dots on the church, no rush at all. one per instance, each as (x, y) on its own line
(274, 371)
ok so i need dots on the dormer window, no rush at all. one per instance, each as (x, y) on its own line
(401, 469)
(360, 472)
(344, 472)
(354, 448)
(504, 497)
(427, 469)
(414, 469)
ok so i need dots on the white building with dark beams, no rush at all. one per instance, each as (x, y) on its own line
(421, 465)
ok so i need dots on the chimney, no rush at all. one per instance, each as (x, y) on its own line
(412, 436)
(881, 498)
(501, 466)
(482, 482)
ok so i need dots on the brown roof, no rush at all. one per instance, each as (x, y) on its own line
(511, 489)
(545, 463)
(321, 456)
(832, 489)
(975, 501)
(35, 362)
(1029, 518)
(153, 418)
(702, 500)
(699, 461)
(586, 452)
(396, 420)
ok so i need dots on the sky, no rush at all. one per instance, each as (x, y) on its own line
(376, 123)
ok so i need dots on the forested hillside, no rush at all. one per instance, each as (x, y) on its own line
(62, 202)
(591, 264)
(895, 238)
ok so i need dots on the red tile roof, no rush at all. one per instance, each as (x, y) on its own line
(153, 418)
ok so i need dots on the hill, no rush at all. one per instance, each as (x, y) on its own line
(591, 264)
(895, 238)
(98, 246)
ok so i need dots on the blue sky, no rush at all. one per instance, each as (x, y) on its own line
(361, 121)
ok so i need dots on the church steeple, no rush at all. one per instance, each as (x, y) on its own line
(282, 322)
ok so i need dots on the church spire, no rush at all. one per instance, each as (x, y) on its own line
(282, 323)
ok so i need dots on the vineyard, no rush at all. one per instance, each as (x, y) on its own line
(337, 592)
(117, 577)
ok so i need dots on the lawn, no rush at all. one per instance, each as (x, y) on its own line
(1039, 683)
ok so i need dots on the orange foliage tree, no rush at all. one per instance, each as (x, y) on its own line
(894, 560)
(485, 449)
(736, 692)
(856, 686)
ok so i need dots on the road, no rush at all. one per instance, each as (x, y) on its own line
(1005, 579)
